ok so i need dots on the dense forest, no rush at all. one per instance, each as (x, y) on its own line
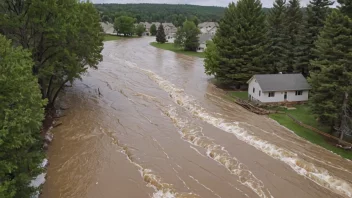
(160, 12)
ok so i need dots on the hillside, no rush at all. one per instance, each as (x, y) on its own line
(160, 12)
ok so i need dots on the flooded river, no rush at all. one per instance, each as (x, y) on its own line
(160, 129)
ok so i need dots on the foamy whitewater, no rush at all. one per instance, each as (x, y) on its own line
(316, 174)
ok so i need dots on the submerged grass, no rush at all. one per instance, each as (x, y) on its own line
(171, 47)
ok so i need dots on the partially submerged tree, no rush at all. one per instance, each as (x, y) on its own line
(124, 25)
(160, 35)
(21, 113)
(332, 81)
(153, 30)
(187, 36)
(211, 62)
(140, 29)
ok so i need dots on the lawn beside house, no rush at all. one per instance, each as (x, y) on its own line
(309, 135)
(303, 114)
(239, 94)
(171, 47)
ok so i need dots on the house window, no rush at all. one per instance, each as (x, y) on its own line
(299, 93)
(271, 94)
(253, 90)
(260, 92)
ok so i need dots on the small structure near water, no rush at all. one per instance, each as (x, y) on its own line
(278, 88)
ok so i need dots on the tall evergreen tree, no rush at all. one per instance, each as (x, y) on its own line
(241, 43)
(297, 57)
(332, 83)
(278, 48)
(345, 7)
(317, 11)
(160, 34)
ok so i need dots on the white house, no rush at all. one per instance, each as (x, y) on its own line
(208, 27)
(278, 88)
(108, 28)
(203, 38)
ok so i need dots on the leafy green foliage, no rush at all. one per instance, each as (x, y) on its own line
(160, 35)
(178, 20)
(140, 29)
(124, 25)
(176, 14)
(63, 36)
(278, 48)
(333, 77)
(187, 36)
(241, 44)
(194, 19)
(21, 113)
(211, 61)
(153, 30)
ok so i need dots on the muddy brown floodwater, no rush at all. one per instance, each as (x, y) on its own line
(160, 129)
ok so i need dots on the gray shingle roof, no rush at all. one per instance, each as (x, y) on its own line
(203, 38)
(282, 82)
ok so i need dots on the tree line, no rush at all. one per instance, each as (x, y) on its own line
(126, 25)
(43, 46)
(315, 41)
(175, 14)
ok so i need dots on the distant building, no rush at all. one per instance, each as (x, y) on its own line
(278, 88)
(108, 28)
(208, 27)
(171, 37)
(169, 28)
(203, 38)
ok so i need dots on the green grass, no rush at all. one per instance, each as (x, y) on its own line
(111, 37)
(309, 135)
(171, 47)
(239, 94)
(305, 115)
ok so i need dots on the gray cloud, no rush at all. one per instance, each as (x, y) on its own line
(222, 3)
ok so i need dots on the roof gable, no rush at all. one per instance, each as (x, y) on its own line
(281, 82)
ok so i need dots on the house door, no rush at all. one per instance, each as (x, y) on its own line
(285, 96)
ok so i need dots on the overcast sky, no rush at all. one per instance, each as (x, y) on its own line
(222, 3)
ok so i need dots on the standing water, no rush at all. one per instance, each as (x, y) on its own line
(158, 128)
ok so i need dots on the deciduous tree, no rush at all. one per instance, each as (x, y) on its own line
(187, 36)
(64, 37)
(140, 29)
(21, 113)
(124, 25)
(153, 30)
